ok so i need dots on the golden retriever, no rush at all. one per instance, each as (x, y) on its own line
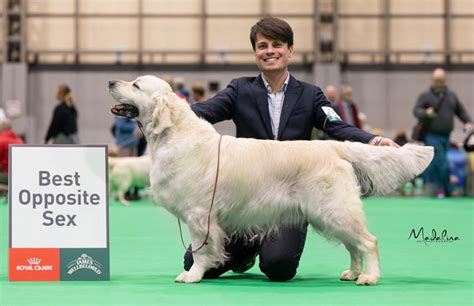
(126, 173)
(262, 184)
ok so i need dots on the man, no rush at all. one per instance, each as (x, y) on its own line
(273, 105)
(346, 107)
(437, 106)
(331, 93)
(7, 137)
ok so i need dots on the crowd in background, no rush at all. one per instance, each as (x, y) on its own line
(450, 174)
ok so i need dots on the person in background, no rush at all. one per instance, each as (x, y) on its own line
(7, 137)
(63, 126)
(401, 137)
(130, 142)
(439, 105)
(198, 93)
(125, 133)
(181, 89)
(346, 107)
(330, 91)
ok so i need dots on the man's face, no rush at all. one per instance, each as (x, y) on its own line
(347, 95)
(438, 82)
(272, 55)
(438, 79)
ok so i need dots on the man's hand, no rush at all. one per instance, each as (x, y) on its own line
(382, 141)
(430, 112)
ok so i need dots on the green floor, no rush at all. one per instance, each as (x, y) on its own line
(146, 256)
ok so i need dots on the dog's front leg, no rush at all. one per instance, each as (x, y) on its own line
(211, 255)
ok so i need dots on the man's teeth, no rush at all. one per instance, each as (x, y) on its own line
(271, 59)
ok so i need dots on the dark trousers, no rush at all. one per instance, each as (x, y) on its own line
(279, 254)
(437, 172)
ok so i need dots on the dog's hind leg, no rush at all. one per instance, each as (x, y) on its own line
(345, 221)
(211, 255)
(121, 198)
(356, 264)
(369, 248)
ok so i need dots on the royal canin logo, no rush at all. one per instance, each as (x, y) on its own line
(34, 265)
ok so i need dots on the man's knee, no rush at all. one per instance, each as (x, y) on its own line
(279, 269)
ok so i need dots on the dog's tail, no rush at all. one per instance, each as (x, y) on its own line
(381, 170)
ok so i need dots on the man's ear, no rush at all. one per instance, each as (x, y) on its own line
(162, 114)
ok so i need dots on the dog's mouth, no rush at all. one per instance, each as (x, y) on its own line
(124, 110)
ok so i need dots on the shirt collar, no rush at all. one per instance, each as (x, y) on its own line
(283, 86)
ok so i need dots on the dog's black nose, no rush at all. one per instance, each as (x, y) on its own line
(112, 83)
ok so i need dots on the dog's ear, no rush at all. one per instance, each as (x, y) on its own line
(162, 113)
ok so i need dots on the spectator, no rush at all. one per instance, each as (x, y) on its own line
(125, 132)
(170, 80)
(198, 92)
(346, 107)
(400, 137)
(330, 92)
(181, 89)
(438, 106)
(469, 148)
(7, 137)
(63, 126)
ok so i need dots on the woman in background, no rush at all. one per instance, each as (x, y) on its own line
(63, 126)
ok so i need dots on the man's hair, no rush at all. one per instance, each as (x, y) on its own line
(274, 28)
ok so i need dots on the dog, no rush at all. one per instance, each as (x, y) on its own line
(126, 173)
(262, 184)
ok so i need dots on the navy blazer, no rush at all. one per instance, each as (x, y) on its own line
(245, 101)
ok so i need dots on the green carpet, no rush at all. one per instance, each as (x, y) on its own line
(146, 256)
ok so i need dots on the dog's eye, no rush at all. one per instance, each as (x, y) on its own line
(136, 86)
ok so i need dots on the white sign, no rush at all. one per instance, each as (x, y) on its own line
(58, 196)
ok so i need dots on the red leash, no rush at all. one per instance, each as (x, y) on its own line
(210, 208)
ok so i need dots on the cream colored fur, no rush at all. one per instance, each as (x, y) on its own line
(128, 172)
(263, 184)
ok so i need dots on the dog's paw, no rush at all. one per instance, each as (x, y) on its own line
(187, 277)
(367, 280)
(349, 275)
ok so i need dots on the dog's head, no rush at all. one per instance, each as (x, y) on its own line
(148, 99)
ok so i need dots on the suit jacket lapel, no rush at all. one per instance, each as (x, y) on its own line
(261, 99)
(292, 95)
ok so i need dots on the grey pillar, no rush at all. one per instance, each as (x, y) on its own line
(326, 73)
(15, 87)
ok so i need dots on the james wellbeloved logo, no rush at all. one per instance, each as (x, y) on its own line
(84, 262)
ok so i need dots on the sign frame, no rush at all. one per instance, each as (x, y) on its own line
(66, 260)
